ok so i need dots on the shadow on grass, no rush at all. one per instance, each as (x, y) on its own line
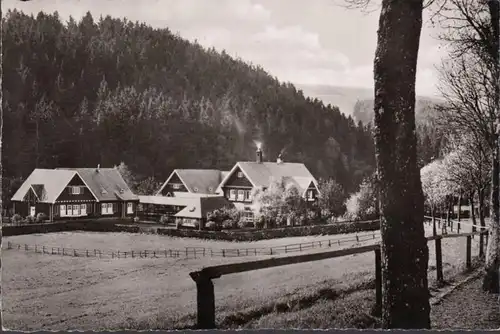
(336, 304)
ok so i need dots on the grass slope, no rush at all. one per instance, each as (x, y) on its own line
(50, 292)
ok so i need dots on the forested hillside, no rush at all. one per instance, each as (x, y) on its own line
(429, 136)
(102, 91)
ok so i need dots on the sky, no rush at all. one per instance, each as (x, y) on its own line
(318, 42)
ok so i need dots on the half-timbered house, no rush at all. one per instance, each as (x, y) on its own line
(194, 181)
(66, 193)
(238, 185)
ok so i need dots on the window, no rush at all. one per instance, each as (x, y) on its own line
(75, 190)
(103, 191)
(130, 208)
(310, 194)
(176, 186)
(240, 174)
(76, 210)
(232, 194)
(241, 195)
(106, 208)
(83, 209)
(247, 216)
(62, 211)
(248, 196)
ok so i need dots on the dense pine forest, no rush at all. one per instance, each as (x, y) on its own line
(103, 91)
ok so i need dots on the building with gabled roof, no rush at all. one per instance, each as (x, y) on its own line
(238, 185)
(65, 193)
(194, 181)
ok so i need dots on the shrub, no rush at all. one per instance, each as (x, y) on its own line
(228, 224)
(29, 219)
(164, 219)
(243, 223)
(223, 214)
(259, 222)
(136, 219)
(197, 224)
(17, 218)
(211, 225)
(40, 217)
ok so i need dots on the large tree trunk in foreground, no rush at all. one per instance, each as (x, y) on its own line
(433, 212)
(472, 210)
(482, 221)
(405, 300)
(492, 265)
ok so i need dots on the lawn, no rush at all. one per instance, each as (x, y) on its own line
(51, 292)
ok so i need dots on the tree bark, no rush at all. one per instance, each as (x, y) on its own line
(482, 222)
(405, 255)
(472, 210)
(492, 265)
(433, 214)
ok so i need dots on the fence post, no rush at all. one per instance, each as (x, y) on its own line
(74, 252)
(205, 298)
(439, 261)
(9, 246)
(468, 260)
(378, 281)
(43, 249)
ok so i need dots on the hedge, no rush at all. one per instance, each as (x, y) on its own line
(264, 234)
(95, 225)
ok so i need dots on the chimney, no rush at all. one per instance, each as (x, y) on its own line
(259, 155)
(98, 167)
(279, 160)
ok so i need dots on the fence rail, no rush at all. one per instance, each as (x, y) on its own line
(205, 288)
(196, 252)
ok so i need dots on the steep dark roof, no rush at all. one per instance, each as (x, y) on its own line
(106, 184)
(262, 174)
(203, 181)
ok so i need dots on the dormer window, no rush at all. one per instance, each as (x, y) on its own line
(240, 174)
(195, 189)
(122, 190)
(103, 191)
(210, 189)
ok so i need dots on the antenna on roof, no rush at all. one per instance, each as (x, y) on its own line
(98, 167)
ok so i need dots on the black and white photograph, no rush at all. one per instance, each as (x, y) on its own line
(250, 164)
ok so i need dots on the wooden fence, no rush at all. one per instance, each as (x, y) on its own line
(205, 288)
(195, 252)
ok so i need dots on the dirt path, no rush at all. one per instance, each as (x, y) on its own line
(468, 307)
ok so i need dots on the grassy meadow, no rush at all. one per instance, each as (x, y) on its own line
(53, 292)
